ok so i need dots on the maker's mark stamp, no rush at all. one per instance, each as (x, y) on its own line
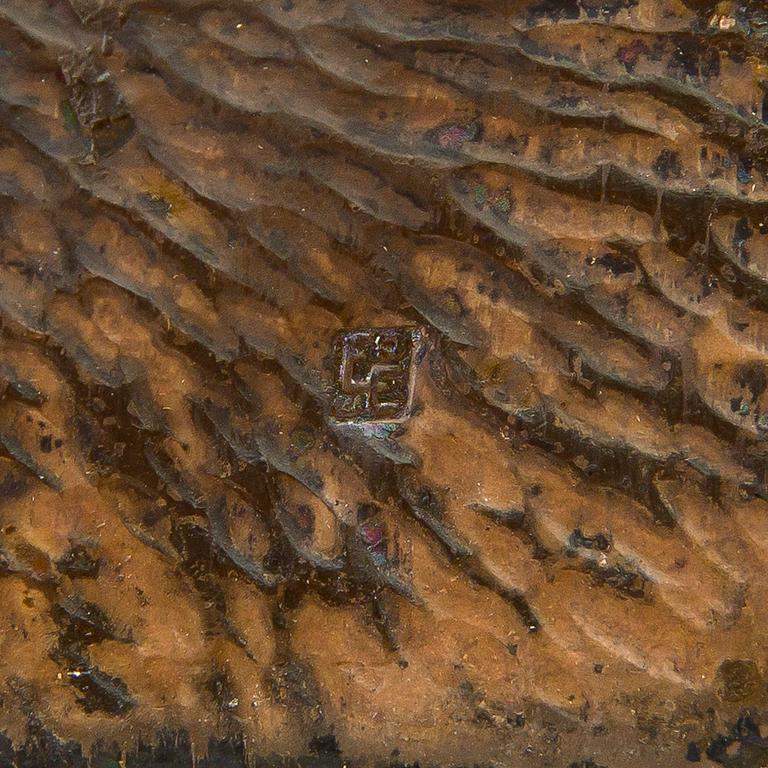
(375, 370)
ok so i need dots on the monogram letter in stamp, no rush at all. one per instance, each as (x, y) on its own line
(375, 369)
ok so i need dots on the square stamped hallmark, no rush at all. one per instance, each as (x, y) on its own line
(375, 372)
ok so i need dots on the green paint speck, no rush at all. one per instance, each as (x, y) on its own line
(70, 118)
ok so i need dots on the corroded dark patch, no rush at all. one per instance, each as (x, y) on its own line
(739, 679)
(743, 746)
(81, 560)
(99, 691)
(95, 102)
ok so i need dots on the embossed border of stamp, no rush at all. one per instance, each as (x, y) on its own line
(375, 372)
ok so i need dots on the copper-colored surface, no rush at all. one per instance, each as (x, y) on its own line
(538, 536)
